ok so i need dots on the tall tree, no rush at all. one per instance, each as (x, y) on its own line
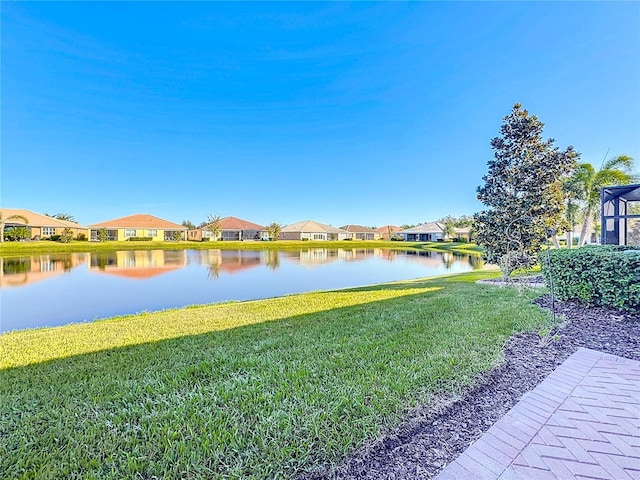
(589, 182)
(3, 222)
(188, 224)
(523, 189)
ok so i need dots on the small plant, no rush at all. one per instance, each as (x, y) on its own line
(66, 236)
(103, 235)
(547, 338)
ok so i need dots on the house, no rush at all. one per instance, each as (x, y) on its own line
(426, 232)
(462, 234)
(40, 226)
(362, 233)
(231, 228)
(141, 225)
(311, 230)
(388, 232)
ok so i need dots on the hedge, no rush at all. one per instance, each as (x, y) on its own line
(606, 275)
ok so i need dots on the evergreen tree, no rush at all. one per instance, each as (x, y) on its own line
(523, 190)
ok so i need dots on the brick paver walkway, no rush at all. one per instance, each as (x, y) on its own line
(581, 422)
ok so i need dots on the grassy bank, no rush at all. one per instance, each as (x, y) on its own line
(263, 389)
(19, 249)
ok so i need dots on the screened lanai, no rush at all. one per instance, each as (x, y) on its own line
(621, 215)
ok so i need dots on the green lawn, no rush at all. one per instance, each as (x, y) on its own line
(263, 389)
(18, 249)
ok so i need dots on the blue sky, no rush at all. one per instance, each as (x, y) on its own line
(363, 113)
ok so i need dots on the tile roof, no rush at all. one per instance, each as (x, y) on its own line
(310, 226)
(429, 227)
(140, 220)
(36, 219)
(386, 229)
(358, 229)
(233, 223)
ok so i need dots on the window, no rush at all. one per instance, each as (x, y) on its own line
(46, 231)
(153, 233)
(318, 236)
(129, 232)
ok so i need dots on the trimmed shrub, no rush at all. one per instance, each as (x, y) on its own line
(140, 239)
(607, 275)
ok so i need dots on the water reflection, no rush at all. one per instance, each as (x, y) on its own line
(227, 261)
(18, 272)
(138, 264)
(150, 263)
(124, 282)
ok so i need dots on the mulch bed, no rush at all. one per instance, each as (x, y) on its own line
(433, 436)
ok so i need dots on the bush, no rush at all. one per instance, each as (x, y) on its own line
(606, 275)
(140, 239)
(55, 238)
(81, 237)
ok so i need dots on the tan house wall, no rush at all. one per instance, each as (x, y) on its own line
(38, 231)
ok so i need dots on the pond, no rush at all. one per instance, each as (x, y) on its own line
(56, 289)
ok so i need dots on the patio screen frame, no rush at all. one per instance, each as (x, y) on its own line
(614, 203)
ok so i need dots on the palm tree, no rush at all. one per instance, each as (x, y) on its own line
(273, 230)
(616, 171)
(3, 221)
(63, 216)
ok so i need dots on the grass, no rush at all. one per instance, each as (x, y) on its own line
(263, 389)
(19, 249)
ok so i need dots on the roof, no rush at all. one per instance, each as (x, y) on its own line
(233, 223)
(358, 229)
(386, 229)
(628, 192)
(140, 220)
(310, 226)
(429, 227)
(36, 219)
